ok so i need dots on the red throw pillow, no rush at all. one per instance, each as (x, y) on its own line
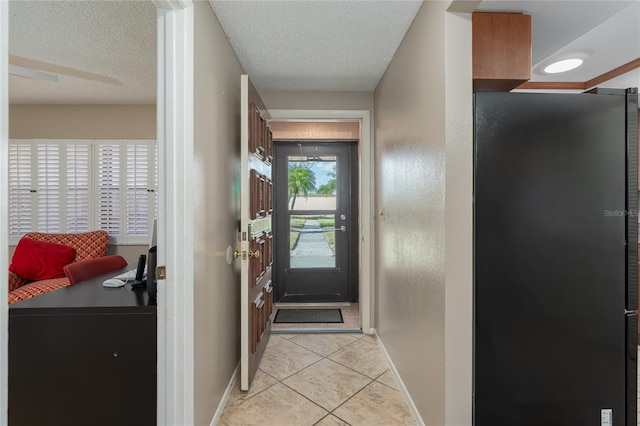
(40, 260)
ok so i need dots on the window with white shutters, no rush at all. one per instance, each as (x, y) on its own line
(81, 185)
(127, 172)
(20, 188)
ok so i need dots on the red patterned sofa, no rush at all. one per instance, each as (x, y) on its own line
(89, 245)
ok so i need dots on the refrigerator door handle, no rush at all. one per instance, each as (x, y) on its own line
(631, 367)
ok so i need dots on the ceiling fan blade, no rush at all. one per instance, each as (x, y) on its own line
(31, 73)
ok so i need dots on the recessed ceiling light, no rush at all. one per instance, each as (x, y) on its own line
(563, 65)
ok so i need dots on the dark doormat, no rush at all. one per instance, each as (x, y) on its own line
(293, 316)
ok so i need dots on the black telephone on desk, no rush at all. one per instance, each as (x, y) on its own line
(139, 283)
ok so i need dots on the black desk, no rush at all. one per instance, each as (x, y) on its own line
(83, 355)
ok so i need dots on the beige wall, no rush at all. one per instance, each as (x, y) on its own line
(423, 167)
(130, 253)
(216, 166)
(82, 121)
(85, 122)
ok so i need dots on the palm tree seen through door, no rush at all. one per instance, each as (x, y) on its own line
(301, 180)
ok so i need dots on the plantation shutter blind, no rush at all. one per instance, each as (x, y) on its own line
(154, 213)
(20, 187)
(109, 188)
(78, 185)
(138, 189)
(48, 185)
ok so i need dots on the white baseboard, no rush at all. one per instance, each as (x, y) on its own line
(225, 397)
(403, 389)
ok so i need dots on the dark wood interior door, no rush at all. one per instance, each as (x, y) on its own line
(256, 238)
(316, 221)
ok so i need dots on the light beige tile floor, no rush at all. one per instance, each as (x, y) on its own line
(320, 379)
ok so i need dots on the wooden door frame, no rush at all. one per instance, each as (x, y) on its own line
(175, 234)
(366, 242)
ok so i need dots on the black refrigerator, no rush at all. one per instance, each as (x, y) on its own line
(555, 259)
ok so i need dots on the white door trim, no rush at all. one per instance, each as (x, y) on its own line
(4, 209)
(365, 202)
(176, 397)
(175, 203)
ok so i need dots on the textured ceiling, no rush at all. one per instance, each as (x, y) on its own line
(315, 45)
(104, 52)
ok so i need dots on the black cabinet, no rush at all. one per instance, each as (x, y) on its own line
(83, 355)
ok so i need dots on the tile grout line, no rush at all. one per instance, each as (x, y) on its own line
(386, 385)
(257, 393)
(370, 380)
(330, 412)
(325, 356)
(351, 397)
(403, 390)
(308, 399)
(352, 369)
(304, 396)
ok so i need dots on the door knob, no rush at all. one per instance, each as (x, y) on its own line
(236, 254)
(254, 254)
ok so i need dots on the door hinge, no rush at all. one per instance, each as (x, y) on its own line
(161, 272)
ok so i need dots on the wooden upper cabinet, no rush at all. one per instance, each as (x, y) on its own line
(501, 51)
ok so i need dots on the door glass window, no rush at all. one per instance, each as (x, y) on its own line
(312, 210)
(312, 241)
